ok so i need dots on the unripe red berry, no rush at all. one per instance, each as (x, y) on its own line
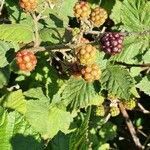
(28, 5)
(26, 60)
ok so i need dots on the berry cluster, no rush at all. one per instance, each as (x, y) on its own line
(114, 111)
(82, 10)
(112, 42)
(98, 16)
(129, 104)
(91, 73)
(28, 5)
(26, 60)
(86, 54)
(100, 110)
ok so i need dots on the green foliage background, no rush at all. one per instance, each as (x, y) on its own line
(45, 111)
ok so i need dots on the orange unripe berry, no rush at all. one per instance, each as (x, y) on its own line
(26, 60)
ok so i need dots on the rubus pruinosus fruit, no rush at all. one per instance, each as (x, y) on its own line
(91, 73)
(129, 104)
(114, 111)
(100, 110)
(82, 10)
(28, 5)
(86, 54)
(26, 60)
(112, 43)
(98, 16)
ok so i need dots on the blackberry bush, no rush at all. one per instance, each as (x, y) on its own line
(112, 43)
(76, 86)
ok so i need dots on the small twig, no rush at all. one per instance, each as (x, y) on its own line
(37, 37)
(133, 65)
(1, 7)
(58, 47)
(130, 127)
(147, 140)
(143, 109)
(107, 118)
(141, 132)
(100, 1)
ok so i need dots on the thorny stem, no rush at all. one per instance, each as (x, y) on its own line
(1, 7)
(130, 127)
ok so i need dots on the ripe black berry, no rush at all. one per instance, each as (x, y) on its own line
(112, 42)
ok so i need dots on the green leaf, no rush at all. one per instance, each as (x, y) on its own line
(36, 93)
(116, 12)
(144, 85)
(47, 120)
(101, 60)
(59, 15)
(16, 33)
(80, 94)
(15, 133)
(108, 132)
(78, 138)
(60, 141)
(117, 81)
(4, 49)
(146, 58)
(55, 35)
(133, 46)
(15, 100)
(131, 14)
(4, 76)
